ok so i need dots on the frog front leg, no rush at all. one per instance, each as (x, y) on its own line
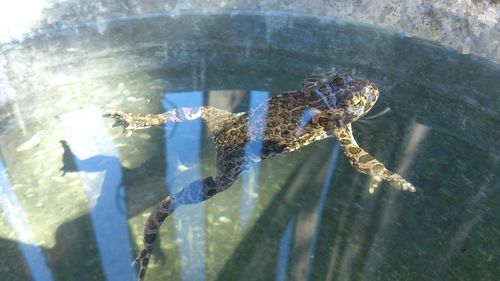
(213, 117)
(367, 164)
(136, 121)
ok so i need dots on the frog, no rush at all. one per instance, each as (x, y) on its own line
(325, 106)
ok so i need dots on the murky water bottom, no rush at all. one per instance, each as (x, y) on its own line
(75, 192)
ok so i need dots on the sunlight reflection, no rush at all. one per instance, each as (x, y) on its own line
(8, 95)
(250, 179)
(33, 256)
(284, 252)
(17, 17)
(418, 133)
(98, 162)
(309, 221)
(463, 231)
(183, 148)
(391, 210)
(327, 184)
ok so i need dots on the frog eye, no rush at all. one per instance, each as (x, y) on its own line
(357, 102)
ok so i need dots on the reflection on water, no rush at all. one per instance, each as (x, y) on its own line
(98, 163)
(75, 192)
(250, 179)
(12, 210)
(183, 148)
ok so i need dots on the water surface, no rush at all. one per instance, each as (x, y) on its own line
(75, 193)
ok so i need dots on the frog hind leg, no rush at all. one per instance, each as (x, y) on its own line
(229, 166)
(365, 163)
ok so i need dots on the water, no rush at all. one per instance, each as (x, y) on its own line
(75, 192)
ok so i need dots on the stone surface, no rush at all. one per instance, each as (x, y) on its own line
(468, 26)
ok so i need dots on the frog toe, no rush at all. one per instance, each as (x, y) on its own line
(406, 186)
(374, 184)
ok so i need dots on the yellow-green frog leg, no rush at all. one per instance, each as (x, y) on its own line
(214, 118)
(366, 163)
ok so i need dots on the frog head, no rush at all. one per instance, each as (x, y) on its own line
(344, 99)
(355, 97)
(359, 99)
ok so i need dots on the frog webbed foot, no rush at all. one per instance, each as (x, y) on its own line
(400, 182)
(409, 187)
(142, 261)
(122, 119)
(374, 183)
(394, 180)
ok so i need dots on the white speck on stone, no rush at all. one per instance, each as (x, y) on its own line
(182, 168)
(127, 163)
(101, 25)
(134, 99)
(29, 144)
(58, 179)
(224, 220)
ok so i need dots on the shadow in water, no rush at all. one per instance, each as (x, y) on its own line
(11, 268)
(255, 257)
(76, 240)
(80, 243)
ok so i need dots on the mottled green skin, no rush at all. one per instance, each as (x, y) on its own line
(327, 105)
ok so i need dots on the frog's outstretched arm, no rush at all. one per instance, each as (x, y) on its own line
(212, 116)
(366, 163)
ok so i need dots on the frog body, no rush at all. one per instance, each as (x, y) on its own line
(326, 106)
